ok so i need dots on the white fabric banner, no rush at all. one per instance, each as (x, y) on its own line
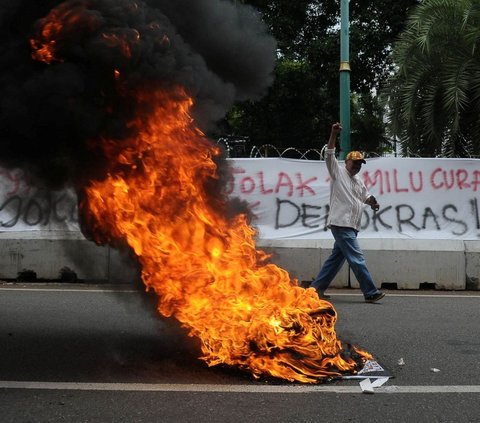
(24, 208)
(419, 198)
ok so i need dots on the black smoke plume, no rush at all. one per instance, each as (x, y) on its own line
(220, 52)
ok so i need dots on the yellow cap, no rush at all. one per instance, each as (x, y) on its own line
(356, 155)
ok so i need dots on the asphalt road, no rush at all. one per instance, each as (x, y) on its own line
(76, 353)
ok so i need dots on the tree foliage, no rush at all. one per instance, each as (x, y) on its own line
(304, 99)
(265, 120)
(434, 95)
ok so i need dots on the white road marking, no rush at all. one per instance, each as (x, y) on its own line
(96, 288)
(68, 289)
(262, 389)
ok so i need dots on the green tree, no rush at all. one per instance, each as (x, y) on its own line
(304, 99)
(434, 95)
(368, 127)
(264, 120)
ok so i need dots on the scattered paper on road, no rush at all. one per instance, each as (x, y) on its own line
(367, 385)
(371, 369)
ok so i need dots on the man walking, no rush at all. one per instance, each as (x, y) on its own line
(348, 194)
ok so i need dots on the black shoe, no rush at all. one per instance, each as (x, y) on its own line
(323, 296)
(375, 297)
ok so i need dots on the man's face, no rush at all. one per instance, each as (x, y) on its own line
(353, 166)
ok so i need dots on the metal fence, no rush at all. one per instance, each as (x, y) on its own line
(237, 147)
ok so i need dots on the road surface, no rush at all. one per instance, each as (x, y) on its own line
(96, 353)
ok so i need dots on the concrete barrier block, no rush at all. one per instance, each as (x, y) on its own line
(47, 258)
(472, 259)
(404, 263)
(410, 263)
(46, 253)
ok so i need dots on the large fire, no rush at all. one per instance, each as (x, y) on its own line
(202, 262)
(203, 266)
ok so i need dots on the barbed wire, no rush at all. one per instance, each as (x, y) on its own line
(236, 147)
(269, 150)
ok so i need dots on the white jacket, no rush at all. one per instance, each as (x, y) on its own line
(347, 194)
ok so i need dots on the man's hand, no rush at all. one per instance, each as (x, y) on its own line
(372, 202)
(336, 129)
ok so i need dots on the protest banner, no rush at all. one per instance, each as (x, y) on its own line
(419, 199)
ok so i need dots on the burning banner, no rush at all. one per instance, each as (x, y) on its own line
(113, 97)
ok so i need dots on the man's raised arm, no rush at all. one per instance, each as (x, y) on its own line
(336, 129)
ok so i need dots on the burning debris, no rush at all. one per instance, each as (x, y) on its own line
(113, 97)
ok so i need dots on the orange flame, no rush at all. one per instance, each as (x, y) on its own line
(203, 266)
(122, 40)
(61, 23)
(67, 22)
(44, 47)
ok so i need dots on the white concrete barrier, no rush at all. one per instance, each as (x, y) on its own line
(393, 263)
(53, 255)
(472, 264)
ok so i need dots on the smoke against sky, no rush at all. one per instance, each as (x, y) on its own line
(50, 112)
